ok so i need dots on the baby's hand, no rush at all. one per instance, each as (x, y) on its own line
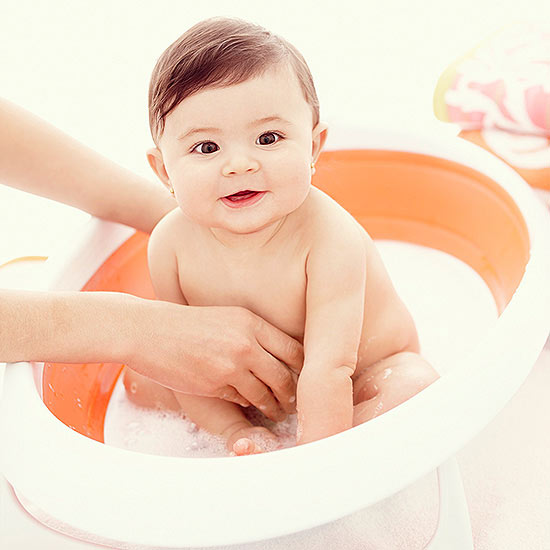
(252, 440)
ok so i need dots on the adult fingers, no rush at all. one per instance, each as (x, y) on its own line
(259, 395)
(280, 345)
(229, 393)
(280, 380)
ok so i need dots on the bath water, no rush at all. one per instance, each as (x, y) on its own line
(450, 303)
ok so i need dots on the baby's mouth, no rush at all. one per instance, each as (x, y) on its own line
(243, 198)
(241, 195)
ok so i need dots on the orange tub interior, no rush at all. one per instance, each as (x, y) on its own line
(394, 195)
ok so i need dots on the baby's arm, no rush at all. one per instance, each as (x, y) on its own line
(163, 265)
(336, 274)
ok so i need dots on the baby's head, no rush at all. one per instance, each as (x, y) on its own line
(235, 118)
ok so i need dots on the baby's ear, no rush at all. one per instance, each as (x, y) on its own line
(154, 156)
(319, 136)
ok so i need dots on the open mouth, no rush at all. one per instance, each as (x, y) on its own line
(243, 198)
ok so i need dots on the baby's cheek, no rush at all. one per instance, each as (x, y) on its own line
(300, 175)
(194, 201)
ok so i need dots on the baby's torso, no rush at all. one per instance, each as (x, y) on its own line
(273, 282)
(271, 285)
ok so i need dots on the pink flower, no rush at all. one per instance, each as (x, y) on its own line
(497, 92)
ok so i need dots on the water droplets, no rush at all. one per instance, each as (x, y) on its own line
(378, 409)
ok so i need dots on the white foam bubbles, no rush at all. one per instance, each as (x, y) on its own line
(169, 433)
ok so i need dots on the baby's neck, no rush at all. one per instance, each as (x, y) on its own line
(243, 243)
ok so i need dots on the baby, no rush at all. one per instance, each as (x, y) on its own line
(235, 119)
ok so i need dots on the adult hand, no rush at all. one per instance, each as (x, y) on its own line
(225, 352)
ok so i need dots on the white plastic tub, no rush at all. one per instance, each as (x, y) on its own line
(446, 194)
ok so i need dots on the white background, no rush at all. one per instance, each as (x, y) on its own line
(85, 67)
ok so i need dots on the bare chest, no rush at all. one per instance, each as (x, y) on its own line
(272, 286)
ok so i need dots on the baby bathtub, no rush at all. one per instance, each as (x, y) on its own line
(445, 194)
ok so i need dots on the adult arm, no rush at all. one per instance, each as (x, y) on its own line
(38, 158)
(198, 350)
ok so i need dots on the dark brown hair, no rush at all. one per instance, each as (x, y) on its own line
(220, 52)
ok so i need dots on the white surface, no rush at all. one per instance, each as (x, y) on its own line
(454, 529)
(508, 495)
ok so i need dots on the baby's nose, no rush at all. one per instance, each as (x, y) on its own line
(241, 164)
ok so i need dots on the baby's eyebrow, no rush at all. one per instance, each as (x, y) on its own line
(212, 129)
(192, 131)
(273, 118)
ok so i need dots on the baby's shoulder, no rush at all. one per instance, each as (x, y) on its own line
(175, 219)
(172, 230)
(330, 222)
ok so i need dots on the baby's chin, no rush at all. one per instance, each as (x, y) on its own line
(236, 223)
(249, 223)
(244, 228)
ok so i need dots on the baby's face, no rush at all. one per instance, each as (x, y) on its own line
(239, 157)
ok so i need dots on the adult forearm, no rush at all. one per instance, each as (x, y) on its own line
(324, 402)
(38, 158)
(224, 352)
(65, 326)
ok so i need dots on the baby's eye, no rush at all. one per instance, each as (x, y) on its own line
(206, 147)
(269, 138)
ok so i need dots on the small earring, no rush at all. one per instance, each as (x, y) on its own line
(172, 191)
(312, 168)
